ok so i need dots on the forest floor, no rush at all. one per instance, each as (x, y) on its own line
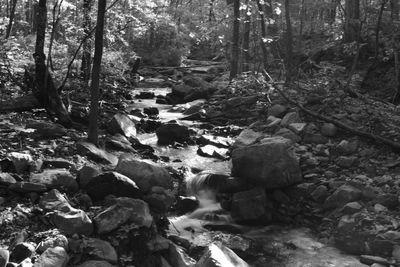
(349, 196)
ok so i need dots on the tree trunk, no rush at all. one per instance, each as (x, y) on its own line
(395, 6)
(332, 12)
(301, 15)
(352, 20)
(263, 34)
(211, 16)
(289, 43)
(87, 45)
(378, 27)
(235, 40)
(246, 38)
(94, 92)
(11, 19)
(43, 86)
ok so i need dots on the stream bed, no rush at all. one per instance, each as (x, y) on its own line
(268, 245)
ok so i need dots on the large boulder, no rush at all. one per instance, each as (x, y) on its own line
(122, 124)
(270, 163)
(144, 173)
(172, 132)
(95, 153)
(60, 179)
(125, 210)
(249, 205)
(112, 183)
(53, 257)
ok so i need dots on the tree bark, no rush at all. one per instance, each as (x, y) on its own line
(11, 19)
(246, 38)
(95, 93)
(352, 20)
(235, 40)
(263, 34)
(87, 45)
(332, 12)
(395, 6)
(43, 86)
(378, 27)
(289, 43)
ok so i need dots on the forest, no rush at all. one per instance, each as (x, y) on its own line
(218, 133)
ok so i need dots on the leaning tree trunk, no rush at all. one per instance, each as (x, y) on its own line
(289, 43)
(11, 19)
(235, 40)
(94, 92)
(43, 86)
(352, 17)
(87, 45)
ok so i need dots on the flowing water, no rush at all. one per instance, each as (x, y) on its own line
(277, 246)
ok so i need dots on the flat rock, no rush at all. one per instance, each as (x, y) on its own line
(60, 179)
(124, 210)
(122, 124)
(74, 221)
(247, 137)
(112, 183)
(270, 163)
(144, 173)
(52, 257)
(95, 153)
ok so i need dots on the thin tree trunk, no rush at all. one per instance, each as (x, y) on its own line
(211, 15)
(87, 45)
(11, 19)
(378, 27)
(289, 43)
(352, 20)
(235, 40)
(395, 6)
(246, 38)
(302, 9)
(332, 12)
(263, 39)
(95, 93)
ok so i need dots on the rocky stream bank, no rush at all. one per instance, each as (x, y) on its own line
(281, 188)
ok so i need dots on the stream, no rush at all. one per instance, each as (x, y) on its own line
(261, 246)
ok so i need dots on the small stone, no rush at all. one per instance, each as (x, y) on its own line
(342, 195)
(6, 179)
(289, 118)
(346, 162)
(158, 243)
(151, 111)
(346, 223)
(122, 124)
(60, 179)
(311, 138)
(99, 249)
(4, 257)
(172, 132)
(74, 221)
(217, 255)
(53, 257)
(86, 173)
(53, 241)
(396, 253)
(54, 200)
(320, 194)
(249, 205)
(288, 134)
(345, 147)
(58, 163)
(369, 193)
(297, 128)
(329, 129)
(369, 260)
(379, 208)
(277, 111)
(351, 208)
(159, 199)
(390, 201)
(21, 161)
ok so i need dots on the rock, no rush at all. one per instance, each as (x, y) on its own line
(217, 255)
(345, 147)
(152, 111)
(342, 195)
(273, 124)
(58, 163)
(249, 205)
(86, 173)
(53, 241)
(352, 207)
(346, 162)
(26, 187)
(288, 134)
(238, 101)
(21, 161)
(186, 204)
(73, 221)
(280, 197)
(52, 257)
(112, 183)
(124, 210)
(22, 251)
(179, 258)
(291, 117)
(158, 243)
(320, 194)
(6, 179)
(144, 173)
(122, 124)
(159, 199)
(145, 95)
(247, 137)
(277, 111)
(379, 208)
(119, 142)
(172, 132)
(272, 163)
(98, 249)
(60, 179)
(96, 264)
(390, 201)
(96, 154)
(25, 263)
(395, 253)
(46, 130)
(311, 138)
(329, 129)
(218, 141)
(297, 128)
(369, 260)
(54, 200)
(212, 152)
(346, 224)
(4, 257)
